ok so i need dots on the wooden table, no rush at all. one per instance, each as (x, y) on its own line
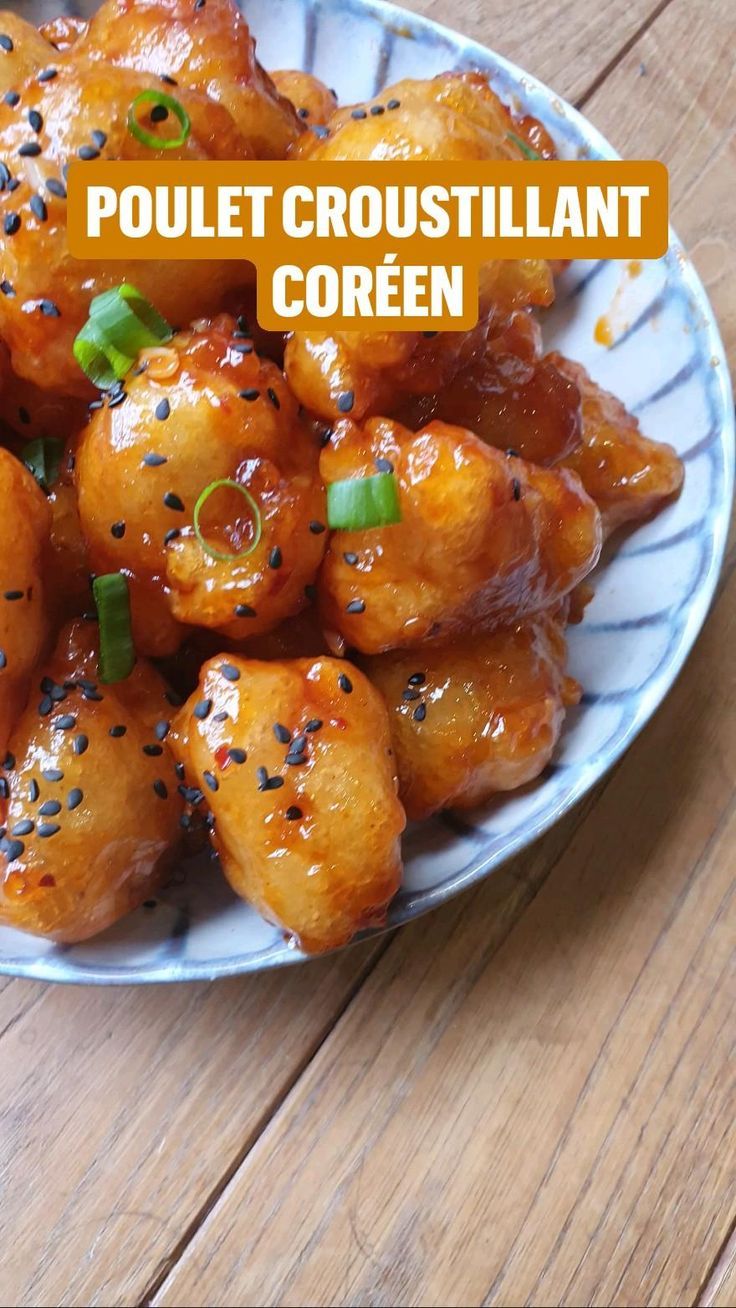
(528, 1096)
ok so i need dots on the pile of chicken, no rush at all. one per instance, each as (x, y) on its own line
(337, 682)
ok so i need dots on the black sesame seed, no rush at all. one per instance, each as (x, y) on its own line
(237, 755)
(173, 534)
(350, 558)
(38, 208)
(117, 399)
(23, 828)
(355, 606)
(244, 611)
(169, 80)
(88, 152)
(66, 722)
(117, 731)
(12, 849)
(250, 394)
(118, 530)
(325, 437)
(174, 698)
(159, 113)
(4, 175)
(8, 762)
(273, 783)
(392, 104)
(358, 114)
(173, 501)
(11, 224)
(384, 465)
(29, 150)
(230, 672)
(161, 730)
(99, 138)
(282, 733)
(377, 110)
(314, 724)
(316, 528)
(275, 558)
(345, 401)
(46, 829)
(49, 309)
(242, 347)
(200, 4)
(512, 454)
(429, 336)
(153, 460)
(33, 791)
(153, 751)
(161, 788)
(410, 694)
(4, 788)
(50, 808)
(222, 716)
(6, 42)
(35, 119)
(345, 683)
(293, 813)
(93, 696)
(47, 75)
(303, 113)
(179, 770)
(163, 409)
(202, 709)
(310, 591)
(3, 660)
(81, 743)
(416, 679)
(295, 759)
(45, 706)
(56, 187)
(13, 595)
(261, 778)
(74, 799)
(12, 98)
(211, 780)
(320, 132)
(420, 713)
(191, 795)
(298, 744)
(7, 288)
(13, 184)
(516, 488)
(273, 397)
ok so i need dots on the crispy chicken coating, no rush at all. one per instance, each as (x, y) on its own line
(47, 292)
(475, 715)
(204, 409)
(300, 782)
(484, 537)
(207, 48)
(23, 51)
(314, 102)
(90, 807)
(628, 475)
(24, 533)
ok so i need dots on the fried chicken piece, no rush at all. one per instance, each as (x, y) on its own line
(32, 412)
(24, 533)
(207, 48)
(90, 806)
(314, 102)
(66, 564)
(628, 475)
(46, 292)
(511, 397)
(300, 782)
(205, 409)
(475, 715)
(23, 51)
(452, 117)
(484, 538)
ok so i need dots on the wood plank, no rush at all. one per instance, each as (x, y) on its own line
(720, 1288)
(568, 45)
(552, 1123)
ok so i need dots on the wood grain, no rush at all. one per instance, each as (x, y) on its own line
(552, 1122)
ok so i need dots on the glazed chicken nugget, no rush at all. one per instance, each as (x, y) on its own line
(23, 51)
(47, 293)
(205, 409)
(90, 808)
(207, 48)
(314, 102)
(484, 537)
(24, 534)
(475, 715)
(294, 761)
(628, 475)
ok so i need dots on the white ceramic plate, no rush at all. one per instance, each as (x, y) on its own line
(652, 593)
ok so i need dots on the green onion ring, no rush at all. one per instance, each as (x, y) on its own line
(117, 651)
(361, 502)
(150, 138)
(256, 512)
(121, 323)
(43, 458)
(522, 145)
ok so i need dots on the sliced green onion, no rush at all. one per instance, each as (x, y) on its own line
(43, 458)
(255, 511)
(150, 138)
(117, 651)
(121, 323)
(361, 502)
(525, 149)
